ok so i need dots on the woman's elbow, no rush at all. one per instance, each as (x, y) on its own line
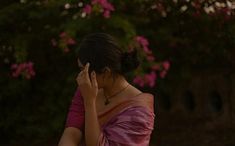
(71, 137)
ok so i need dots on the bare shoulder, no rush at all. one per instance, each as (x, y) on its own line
(144, 99)
(147, 100)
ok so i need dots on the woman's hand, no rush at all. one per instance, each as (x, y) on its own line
(87, 86)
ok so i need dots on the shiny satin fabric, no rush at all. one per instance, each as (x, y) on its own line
(132, 126)
(129, 123)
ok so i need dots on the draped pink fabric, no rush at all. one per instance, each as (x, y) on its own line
(131, 127)
(125, 125)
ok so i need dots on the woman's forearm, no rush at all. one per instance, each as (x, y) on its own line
(71, 137)
(92, 128)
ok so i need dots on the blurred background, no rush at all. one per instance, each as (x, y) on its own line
(186, 49)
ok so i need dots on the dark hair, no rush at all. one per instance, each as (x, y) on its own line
(102, 50)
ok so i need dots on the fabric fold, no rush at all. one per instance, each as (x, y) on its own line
(129, 123)
(132, 127)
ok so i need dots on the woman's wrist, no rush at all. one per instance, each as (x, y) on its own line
(89, 103)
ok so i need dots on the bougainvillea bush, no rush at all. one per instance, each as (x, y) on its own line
(39, 40)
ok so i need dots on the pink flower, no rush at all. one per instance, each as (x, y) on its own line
(66, 50)
(87, 9)
(53, 42)
(106, 7)
(65, 41)
(143, 43)
(23, 66)
(150, 58)
(26, 69)
(139, 81)
(71, 41)
(155, 67)
(15, 75)
(163, 74)
(142, 40)
(104, 4)
(30, 64)
(106, 14)
(63, 34)
(17, 68)
(166, 65)
(147, 79)
(32, 72)
(146, 50)
(14, 66)
(151, 78)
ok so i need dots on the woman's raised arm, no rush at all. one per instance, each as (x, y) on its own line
(72, 134)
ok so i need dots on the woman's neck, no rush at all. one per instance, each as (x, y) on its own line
(115, 86)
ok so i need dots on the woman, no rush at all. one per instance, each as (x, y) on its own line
(106, 110)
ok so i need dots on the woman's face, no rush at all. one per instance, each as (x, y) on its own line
(99, 76)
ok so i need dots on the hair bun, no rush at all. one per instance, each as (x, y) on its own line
(130, 61)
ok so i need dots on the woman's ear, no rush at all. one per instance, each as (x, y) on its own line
(107, 72)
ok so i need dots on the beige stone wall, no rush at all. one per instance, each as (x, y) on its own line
(211, 122)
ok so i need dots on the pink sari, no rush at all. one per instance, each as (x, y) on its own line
(129, 123)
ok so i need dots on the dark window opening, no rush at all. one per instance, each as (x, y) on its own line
(189, 100)
(165, 101)
(215, 102)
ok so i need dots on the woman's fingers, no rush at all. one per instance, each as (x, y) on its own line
(93, 79)
(87, 67)
(85, 71)
(83, 77)
(87, 85)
